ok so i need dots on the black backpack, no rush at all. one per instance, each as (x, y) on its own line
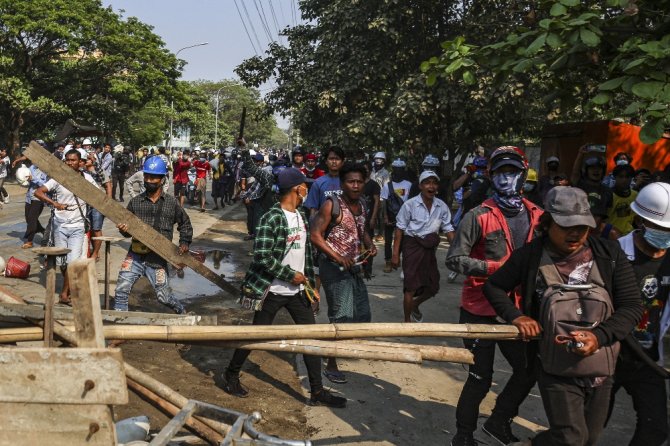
(393, 202)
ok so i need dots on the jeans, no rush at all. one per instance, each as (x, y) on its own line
(301, 313)
(71, 237)
(33, 210)
(346, 293)
(133, 267)
(97, 219)
(648, 390)
(480, 377)
(120, 180)
(576, 414)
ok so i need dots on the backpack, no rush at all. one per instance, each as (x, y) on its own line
(565, 308)
(393, 202)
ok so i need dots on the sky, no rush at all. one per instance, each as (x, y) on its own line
(182, 23)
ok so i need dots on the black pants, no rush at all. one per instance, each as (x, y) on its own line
(647, 388)
(576, 414)
(120, 180)
(388, 241)
(32, 214)
(301, 312)
(480, 377)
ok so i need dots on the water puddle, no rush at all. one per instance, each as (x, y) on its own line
(188, 284)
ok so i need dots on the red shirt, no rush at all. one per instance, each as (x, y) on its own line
(201, 168)
(181, 171)
(315, 174)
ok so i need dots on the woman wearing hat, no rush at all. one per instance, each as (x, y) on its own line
(576, 406)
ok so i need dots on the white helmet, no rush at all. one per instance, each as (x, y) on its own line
(86, 142)
(381, 155)
(431, 161)
(23, 175)
(398, 163)
(653, 203)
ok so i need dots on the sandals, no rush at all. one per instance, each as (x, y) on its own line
(335, 376)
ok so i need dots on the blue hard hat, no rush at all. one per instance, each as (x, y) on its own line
(155, 166)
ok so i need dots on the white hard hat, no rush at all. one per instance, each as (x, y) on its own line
(653, 203)
(86, 142)
(381, 155)
(118, 148)
(398, 163)
(83, 153)
(23, 175)
(431, 161)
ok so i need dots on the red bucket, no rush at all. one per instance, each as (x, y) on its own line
(17, 268)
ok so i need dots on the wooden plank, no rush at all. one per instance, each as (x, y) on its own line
(55, 425)
(14, 310)
(86, 303)
(111, 209)
(64, 376)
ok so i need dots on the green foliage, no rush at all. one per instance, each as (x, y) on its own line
(598, 58)
(63, 59)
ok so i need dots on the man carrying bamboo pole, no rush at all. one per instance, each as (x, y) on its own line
(162, 212)
(282, 275)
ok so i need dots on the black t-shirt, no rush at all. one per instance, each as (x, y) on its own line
(519, 225)
(648, 272)
(370, 189)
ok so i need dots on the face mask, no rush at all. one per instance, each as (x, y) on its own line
(528, 187)
(622, 162)
(657, 238)
(151, 188)
(507, 183)
(302, 197)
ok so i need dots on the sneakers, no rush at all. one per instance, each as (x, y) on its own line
(461, 439)
(501, 431)
(6, 199)
(234, 387)
(325, 398)
(451, 278)
(388, 268)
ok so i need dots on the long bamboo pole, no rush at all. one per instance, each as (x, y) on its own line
(193, 423)
(316, 331)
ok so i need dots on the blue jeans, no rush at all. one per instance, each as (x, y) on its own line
(71, 237)
(133, 267)
(97, 219)
(346, 293)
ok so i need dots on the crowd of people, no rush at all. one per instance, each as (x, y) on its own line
(577, 262)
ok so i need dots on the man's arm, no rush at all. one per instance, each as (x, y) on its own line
(375, 211)
(264, 245)
(576, 173)
(458, 257)
(41, 194)
(135, 179)
(446, 225)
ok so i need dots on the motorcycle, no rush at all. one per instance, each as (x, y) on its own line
(192, 194)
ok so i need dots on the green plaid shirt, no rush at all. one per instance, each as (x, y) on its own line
(270, 250)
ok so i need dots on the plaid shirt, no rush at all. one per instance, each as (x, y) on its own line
(270, 250)
(171, 213)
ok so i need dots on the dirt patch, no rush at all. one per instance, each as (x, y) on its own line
(274, 388)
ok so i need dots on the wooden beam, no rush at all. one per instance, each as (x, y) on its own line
(86, 303)
(14, 310)
(111, 209)
(56, 425)
(62, 376)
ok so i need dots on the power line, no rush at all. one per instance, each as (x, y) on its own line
(264, 23)
(245, 28)
(281, 9)
(251, 23)
(274, 19)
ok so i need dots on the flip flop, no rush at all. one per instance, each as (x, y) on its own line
(335, 376)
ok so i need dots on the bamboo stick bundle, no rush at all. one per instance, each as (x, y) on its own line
(316, 331)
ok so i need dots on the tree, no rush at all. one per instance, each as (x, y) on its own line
(604, 58)
(62, 59)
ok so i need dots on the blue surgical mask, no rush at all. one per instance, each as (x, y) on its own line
(657, 238)
(507, 183)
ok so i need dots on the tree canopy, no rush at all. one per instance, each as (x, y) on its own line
(602, 59)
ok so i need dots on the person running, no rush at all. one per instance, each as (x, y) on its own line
(339, 234)
(4, 167)
(281, 276)
(417, 230)
(202, 171)
(33, 206)
(485, 238)
(218, 186)
(637, 369)
(69, 222)
(180, 168)
(160, 211)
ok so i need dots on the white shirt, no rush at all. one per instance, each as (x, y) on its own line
(295, 253)
(415, 220)
(401, 189)
(71, 216)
